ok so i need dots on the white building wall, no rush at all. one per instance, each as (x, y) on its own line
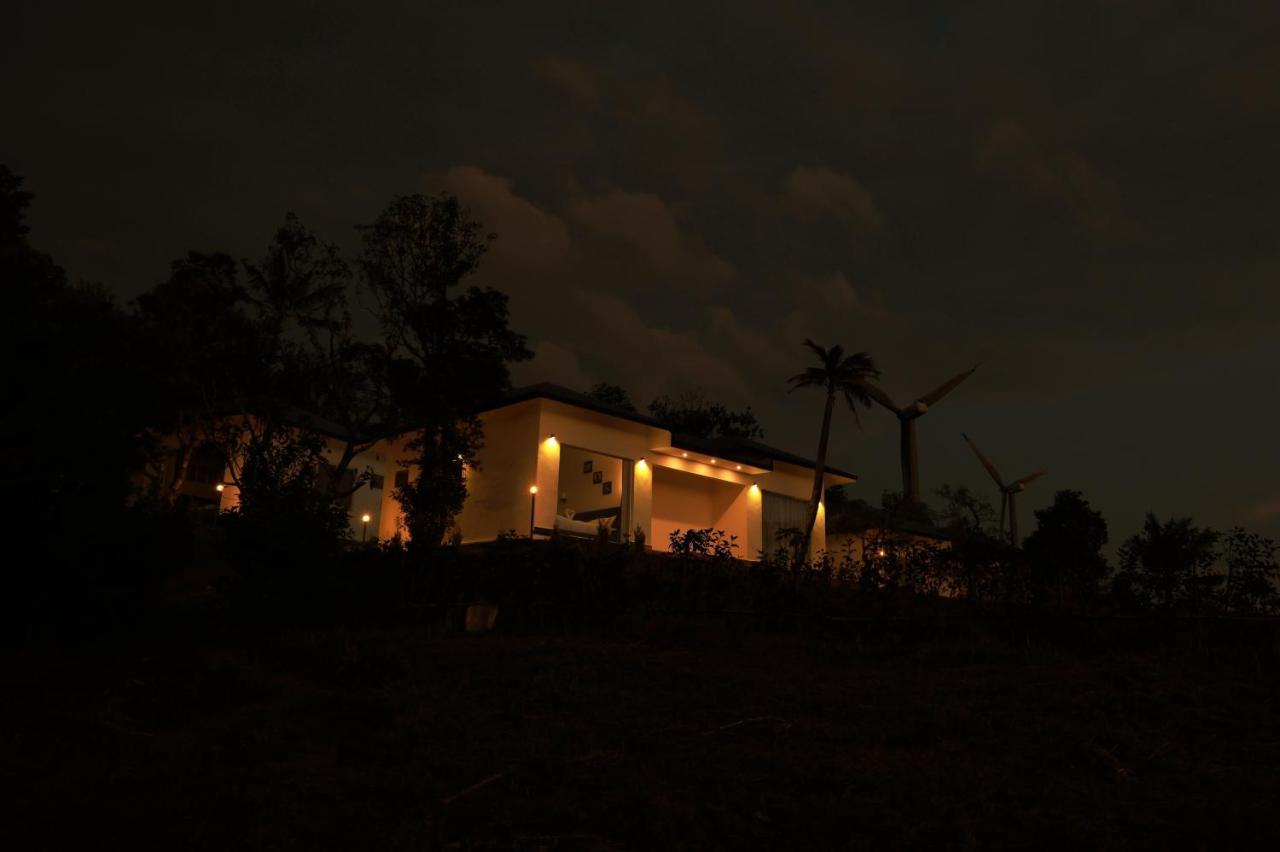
(522, 448)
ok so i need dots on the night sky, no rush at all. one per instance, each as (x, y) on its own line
(1081, 196)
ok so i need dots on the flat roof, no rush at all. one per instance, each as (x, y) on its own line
(742, 450)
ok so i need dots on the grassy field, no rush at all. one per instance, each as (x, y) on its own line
(669, 737)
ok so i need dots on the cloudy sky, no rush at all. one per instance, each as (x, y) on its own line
(1082, 196)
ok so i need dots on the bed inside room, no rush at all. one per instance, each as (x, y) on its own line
(593, 489)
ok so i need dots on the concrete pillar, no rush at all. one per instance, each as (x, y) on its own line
(642, 501)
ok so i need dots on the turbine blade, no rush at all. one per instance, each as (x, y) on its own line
(934, 396)
(986, 462)
(877, 393)
(1029, 478)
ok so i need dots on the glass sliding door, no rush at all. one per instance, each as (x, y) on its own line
(779, 514)
(595, 492)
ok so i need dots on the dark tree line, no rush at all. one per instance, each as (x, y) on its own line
(111, 406)
(1169, 566)
(691, 412)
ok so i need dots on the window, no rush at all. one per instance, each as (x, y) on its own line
(376, 481)
(402, 479)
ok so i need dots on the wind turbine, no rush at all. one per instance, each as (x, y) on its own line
(907, 417)
(1007, 492)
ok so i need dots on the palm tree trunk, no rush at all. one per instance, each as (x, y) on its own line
(819, 470)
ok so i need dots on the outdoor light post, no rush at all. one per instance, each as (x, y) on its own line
(364, 529)
(533, 501)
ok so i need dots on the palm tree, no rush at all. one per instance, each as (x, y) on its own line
(842, 374)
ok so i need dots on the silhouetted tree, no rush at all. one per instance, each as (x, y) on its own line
(76, 406)
(77, 402)
(1252, 574)
(449, 349)
(298, 286)
(837, 374)
(692, 413)
(1065, 550)
(611, 395)
(205, 354)
(894, 509)
(284, 513)
(1166, 565)
(965, 512)
(302, 290)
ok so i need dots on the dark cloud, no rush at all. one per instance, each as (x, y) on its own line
(1081, 196)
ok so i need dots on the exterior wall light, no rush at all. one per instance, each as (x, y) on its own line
(220, 487)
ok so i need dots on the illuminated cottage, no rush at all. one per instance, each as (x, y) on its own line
(557, 461)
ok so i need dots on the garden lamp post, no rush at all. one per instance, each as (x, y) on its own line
(533, 502)
(364, 529)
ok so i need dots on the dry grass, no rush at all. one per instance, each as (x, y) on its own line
(401, 739)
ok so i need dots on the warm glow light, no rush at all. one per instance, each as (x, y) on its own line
(755, 489)
(880, 552)
(684, 455)
(739, 467)
(366, 517)
(640, 465)
(552, 440)
(713, 461)
(533, 489)
(220, 486)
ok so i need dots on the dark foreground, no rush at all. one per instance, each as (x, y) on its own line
(674, 739)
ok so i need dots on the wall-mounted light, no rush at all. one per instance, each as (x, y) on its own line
(713, 461)
(755, 490)
(739, 467)
(684, 455)
(551, 441)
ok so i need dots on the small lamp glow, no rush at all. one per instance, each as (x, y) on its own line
(684, 455)
(220, 487)
(366, 518)
(533, 502)
(739, 467)
(364, 526)
(880, 552)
